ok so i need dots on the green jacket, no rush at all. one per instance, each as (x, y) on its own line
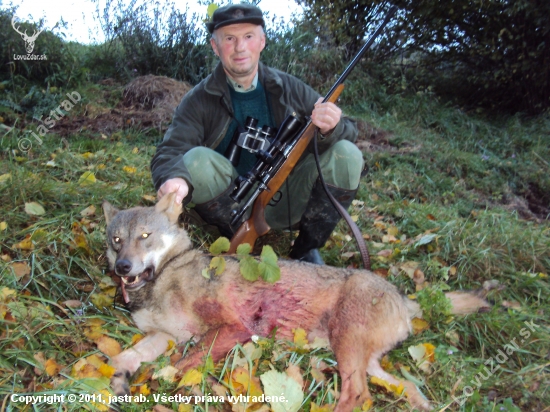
(205, 113)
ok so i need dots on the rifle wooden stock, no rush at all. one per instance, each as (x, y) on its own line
(256, 224)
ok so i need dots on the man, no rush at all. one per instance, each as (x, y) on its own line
(190, 159)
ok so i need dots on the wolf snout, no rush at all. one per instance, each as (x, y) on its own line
(123, 267)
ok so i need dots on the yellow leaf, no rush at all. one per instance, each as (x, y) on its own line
(430, 352)
(366, 405)
(300, 337)
(108, 346)
(101, 300)
(390, 387)
(250, 384)
(191, 377)
(101, 166)
(144, 390)
(129, 169)
(87, 155)
(118, 160)
(185, 407)
(393, 231)
(136, 338)
(3, 226)
(52, 367)
(5, 293)
(5, 177)
(94, 360)
(324, 408)
(419, 325)
(106, 370)
(149, 198)
(87, 178)
(89, 211)
(25, 244)
(135, 150)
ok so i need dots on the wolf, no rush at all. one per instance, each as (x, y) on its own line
(362, 315)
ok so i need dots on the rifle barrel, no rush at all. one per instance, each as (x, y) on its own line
(361, 52)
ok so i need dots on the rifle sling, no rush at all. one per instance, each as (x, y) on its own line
(343, 212)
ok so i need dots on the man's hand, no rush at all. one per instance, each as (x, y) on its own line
(176, 184)
(325, 116)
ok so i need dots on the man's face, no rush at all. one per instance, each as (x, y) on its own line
(239, 47)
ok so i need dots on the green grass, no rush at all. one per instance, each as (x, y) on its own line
(454, 176)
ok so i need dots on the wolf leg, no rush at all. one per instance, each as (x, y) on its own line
(216, 342)
(415, 398)
(128, 361)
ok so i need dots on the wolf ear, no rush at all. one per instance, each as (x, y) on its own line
(168, 205)
(109, 210)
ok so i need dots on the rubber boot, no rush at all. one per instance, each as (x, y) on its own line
(217, 212)
(318, 222)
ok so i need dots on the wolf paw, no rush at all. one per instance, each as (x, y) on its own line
(120, 383)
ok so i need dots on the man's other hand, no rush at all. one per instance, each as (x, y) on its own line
(325, 116)
(176, 184)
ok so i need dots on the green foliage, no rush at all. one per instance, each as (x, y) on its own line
(348, 21)
(151, 38)
(435, 305)
(497, 51)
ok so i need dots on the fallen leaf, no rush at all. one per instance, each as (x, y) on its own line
(424, 355)
(149, 198)
(295, 373)
(129, 169)
(418, 277)
(3, 226)
(20, 269)
(52, 367)
(409, 268)
(419, 325)
(390, 387)
(191, 377)
(300, 337)
(248, 383)
(108, 346)
(72, 303)
(511, 305)
(34, 209)
(382, 272)
(431, 217)
(385, 253)
(89, 211)
(168, 373)
(325, 408)
(25, 244)
(277, 383)
(87, 178)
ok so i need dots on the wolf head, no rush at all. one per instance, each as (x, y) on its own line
(141, 239)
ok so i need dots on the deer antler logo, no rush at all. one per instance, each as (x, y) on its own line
(29, 40)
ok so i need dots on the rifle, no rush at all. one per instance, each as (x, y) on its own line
(275, 164)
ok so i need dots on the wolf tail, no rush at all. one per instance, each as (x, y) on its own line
(462, 303)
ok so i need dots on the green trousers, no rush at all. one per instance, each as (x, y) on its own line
(212, 174)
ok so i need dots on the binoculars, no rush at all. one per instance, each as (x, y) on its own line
(250, 138)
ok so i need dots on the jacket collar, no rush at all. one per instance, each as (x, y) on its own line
(216, 83)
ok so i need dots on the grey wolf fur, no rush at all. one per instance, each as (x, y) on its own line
(361, 314)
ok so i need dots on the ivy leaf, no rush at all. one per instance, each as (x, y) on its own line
(249, 268)
(269, 269)
(244, 249)
(220, 246)
(218, 263)
(277, 383)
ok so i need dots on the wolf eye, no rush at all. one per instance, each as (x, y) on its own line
(116, 239)
(145, 235)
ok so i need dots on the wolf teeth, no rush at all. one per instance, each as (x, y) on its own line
(135, 279)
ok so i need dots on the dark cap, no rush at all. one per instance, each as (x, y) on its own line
(235, 14)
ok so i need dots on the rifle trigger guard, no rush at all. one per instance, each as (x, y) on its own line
(276, 198)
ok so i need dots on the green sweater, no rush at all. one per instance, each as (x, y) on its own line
(254, 104)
